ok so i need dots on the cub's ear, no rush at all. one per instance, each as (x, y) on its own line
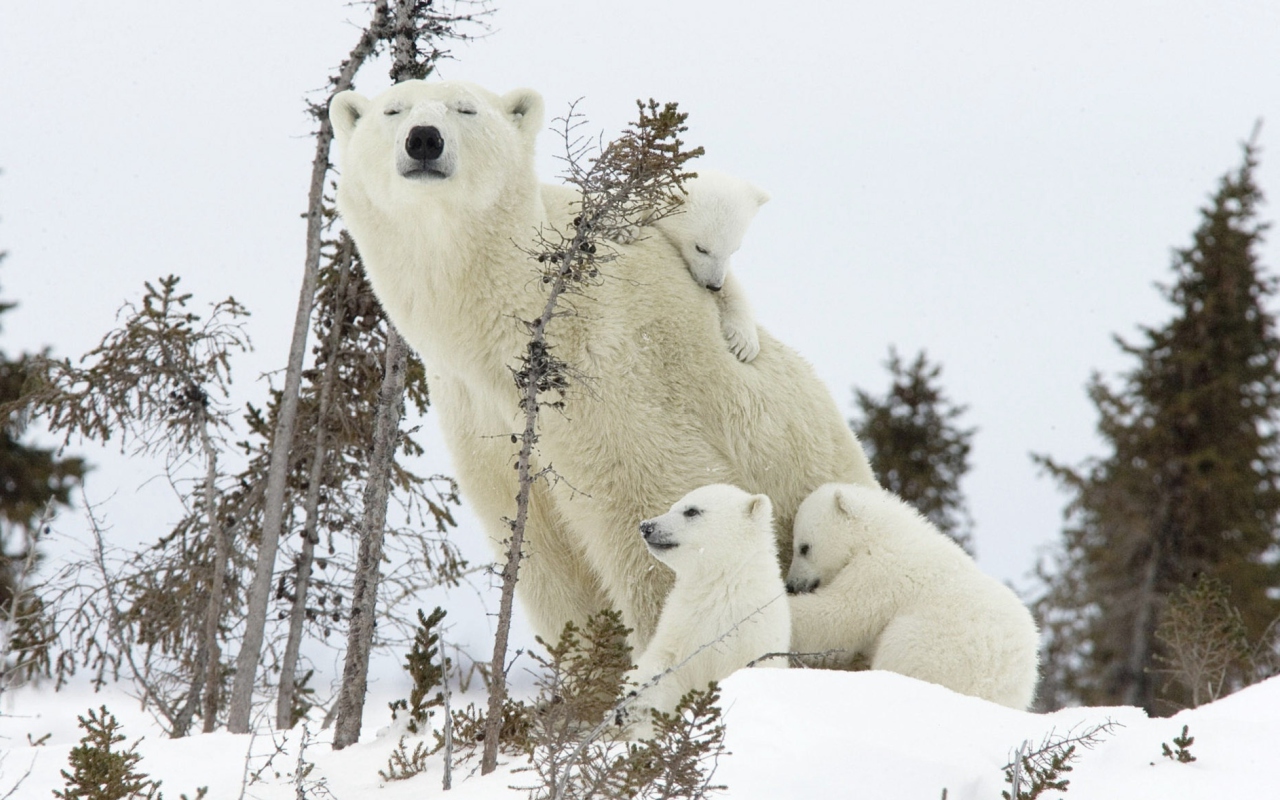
(524, 106)
(345, 110)
(760, 195)
(760, 508)
(844, 503)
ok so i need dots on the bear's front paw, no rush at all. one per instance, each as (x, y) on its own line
(744, 341)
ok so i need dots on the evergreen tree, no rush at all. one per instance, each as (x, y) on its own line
(33, 481)
(159, 382)
(101, 773)
(1191, 486)
(914, 443)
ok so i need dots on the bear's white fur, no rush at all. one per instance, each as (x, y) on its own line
(708, 229)
(875, 578)
(728, 606)
(440, 215)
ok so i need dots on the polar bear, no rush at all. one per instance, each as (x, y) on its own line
(438, 189)
(728, 606)
(870, 576)
(707, 228)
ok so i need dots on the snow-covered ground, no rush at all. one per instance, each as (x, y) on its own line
(791, 734)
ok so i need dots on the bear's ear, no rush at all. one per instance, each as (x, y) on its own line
(761, 196)
(844, 503)
(760, 508)
(524, 106)
(345, 110)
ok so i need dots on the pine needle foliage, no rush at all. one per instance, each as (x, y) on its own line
(160, 381)
(1033, 772)
(580, 694)
(1206, 647)
(402, 764)
(158, 378)
(679, 761)
(426, 673)
(914, 440)
(1191, 483)
(33, 481)
(583, 674)
(1181, 750)
(471, 726)
(101, 771)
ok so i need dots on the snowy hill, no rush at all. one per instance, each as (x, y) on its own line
(791, 734)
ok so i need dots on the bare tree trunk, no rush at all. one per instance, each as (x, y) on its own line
(310, 536)
(273, 511)
(1136, 690)
(217, 581)
(515, 545)
(386, 436)
(204, 682)
(446, 782)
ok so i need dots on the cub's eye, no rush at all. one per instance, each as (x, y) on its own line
(804, 549)
(692, 512)
(391, 112)
(702, 249)
(468, 110)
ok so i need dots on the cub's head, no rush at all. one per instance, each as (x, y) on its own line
(711, 222)
(825, 535)
(716, 524)
(443, 140)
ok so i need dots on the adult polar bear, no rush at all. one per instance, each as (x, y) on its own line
(438, 190)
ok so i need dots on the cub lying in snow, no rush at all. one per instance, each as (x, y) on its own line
(871, 576)
(708, 229)
(728, 606)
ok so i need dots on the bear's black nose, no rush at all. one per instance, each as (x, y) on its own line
(424, 143)
(646, 529)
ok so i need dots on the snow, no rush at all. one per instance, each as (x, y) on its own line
(790, 734)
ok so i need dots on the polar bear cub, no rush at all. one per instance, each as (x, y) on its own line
(707, 229)
(728, 606)
(871, 576)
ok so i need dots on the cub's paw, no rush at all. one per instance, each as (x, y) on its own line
(743, 340)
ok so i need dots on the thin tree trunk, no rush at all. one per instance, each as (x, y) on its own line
(204, 684)
(446, 782)
(310, 536)
(217, 583)
(1136, 689)
(386, 436)
(515, 546)
(273, 511)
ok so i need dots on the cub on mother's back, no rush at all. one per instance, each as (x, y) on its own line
(872, 577)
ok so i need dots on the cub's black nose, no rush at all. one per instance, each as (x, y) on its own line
(424, 143)
(646, 529)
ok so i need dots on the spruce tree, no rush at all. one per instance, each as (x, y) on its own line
(916, 446)
(1191, 485)
(30, 477)
(33, 482)
(100, 772)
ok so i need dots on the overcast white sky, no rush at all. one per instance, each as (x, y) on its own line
(998, 182)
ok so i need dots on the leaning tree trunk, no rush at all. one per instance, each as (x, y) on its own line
(386, 436)
(310, 534)
(273, 511)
